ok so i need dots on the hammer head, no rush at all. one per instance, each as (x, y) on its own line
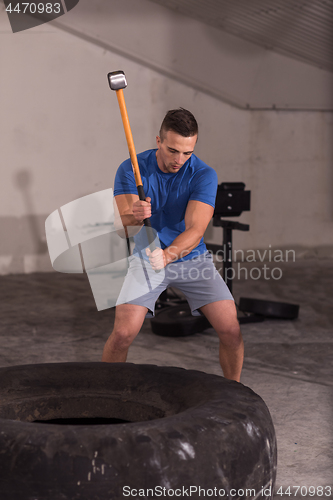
(117, 80)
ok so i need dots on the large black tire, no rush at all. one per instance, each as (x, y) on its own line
(269, 308)
(177, 321)
(188, 429)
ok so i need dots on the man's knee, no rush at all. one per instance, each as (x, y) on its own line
(122, 338)
(230, 333)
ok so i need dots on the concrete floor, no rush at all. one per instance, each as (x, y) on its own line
(52, 317)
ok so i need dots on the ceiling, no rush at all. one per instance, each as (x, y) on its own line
(302, 29)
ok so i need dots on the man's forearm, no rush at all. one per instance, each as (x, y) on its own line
(182, 245)
(128, 226)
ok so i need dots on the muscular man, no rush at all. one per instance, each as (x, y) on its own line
(180, 195)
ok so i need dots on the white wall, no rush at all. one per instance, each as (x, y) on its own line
(61, 138)
(217, 63)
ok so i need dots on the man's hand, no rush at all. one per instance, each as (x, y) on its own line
(157, 258)
(142, 210)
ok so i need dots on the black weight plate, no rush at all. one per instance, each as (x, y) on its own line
(269, 308)
(177, 321)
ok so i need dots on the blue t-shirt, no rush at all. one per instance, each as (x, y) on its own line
(170, 194)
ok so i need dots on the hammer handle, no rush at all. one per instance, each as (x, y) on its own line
(129, 137)
(147, 223)
(134, 160)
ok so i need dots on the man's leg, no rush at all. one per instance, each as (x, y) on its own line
(222, 315)
(128, 321)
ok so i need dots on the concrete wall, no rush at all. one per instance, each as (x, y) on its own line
(61, 138)
(203, 57)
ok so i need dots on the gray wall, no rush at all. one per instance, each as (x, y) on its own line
(62, 138)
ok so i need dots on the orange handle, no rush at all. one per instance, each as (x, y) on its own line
(135, 165)
(129, 136)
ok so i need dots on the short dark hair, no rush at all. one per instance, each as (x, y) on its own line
(180, 121)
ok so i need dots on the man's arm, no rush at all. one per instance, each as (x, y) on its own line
(131, 213)
(197, 217)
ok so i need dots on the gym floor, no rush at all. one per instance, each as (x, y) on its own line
(51, 317)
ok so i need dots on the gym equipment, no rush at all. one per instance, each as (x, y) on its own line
(231, 200)
(177, 321)
(117, 82)
(171, 427)
(269, 308)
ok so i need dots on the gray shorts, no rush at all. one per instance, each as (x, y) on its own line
(197, 279)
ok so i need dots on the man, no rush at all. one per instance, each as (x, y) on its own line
(180, 194)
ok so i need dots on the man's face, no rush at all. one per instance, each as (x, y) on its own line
(174, 151)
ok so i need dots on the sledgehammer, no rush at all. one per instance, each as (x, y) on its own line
(117, 82)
